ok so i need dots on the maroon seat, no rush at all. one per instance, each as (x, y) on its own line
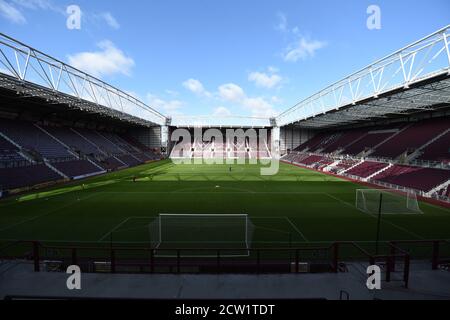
(412, 138)
(366, 169)
(76, 168)
(423, 179)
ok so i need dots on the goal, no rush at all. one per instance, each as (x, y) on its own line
(390, 202)
(200, 235)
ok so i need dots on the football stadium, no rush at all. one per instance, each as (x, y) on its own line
(353, 176)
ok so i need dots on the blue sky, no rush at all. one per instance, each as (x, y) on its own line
(205, 57)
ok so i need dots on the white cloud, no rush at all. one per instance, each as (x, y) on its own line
(34, 4)
(221, 112)
(302, 49)
(172, 92)
(109, 60)
(171, 107)
(10, 13)
(110, 20)
(196, 87)
(231, 92)
(45, 5)
(265, 80)
(282, 22)
(258, 106)
(276, 100)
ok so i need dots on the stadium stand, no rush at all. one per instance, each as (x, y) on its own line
(77, 168)
(103, 144)
(11, 178)
(312, 143)
(413, 156)
(343, 141)
(33, 154)
(368, 142)
(33, 139)
(422, 179)
(412, 138)
(74, 141)
(439, 150)
(366, 169)
(9, 155)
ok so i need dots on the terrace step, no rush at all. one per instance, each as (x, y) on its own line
(378, 172)
(92, 143)
(59, 141)
(21, 151)
(352, 167)
(334, 164)
(96, 165)
(118, 147)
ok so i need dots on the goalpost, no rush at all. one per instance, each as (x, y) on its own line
(201, 235)
(370, 200)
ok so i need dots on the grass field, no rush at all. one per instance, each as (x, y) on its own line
(296, 206)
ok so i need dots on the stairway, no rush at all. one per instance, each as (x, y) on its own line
(55, 170)
(21, 151)
(329, 167)
(378, 172)
(352, 167)
(59, 141)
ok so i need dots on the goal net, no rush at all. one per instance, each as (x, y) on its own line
(200, 235)
(370, 200)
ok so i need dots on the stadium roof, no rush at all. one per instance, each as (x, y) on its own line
(31, 73)
(412, 79)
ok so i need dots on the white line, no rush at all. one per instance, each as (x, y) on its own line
(114, 229)
(296, 229)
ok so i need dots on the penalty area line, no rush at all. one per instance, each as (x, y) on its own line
(296, 229)
(114, 229)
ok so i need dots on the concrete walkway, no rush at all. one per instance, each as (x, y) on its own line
(19, 279)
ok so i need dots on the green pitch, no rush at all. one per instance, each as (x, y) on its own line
(294, 207)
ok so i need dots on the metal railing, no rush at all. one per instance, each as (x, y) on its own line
(395, 257)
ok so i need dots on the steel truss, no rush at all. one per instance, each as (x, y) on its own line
(392, 85)
(36, 74)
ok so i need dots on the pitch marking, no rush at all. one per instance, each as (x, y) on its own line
(296, 229)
